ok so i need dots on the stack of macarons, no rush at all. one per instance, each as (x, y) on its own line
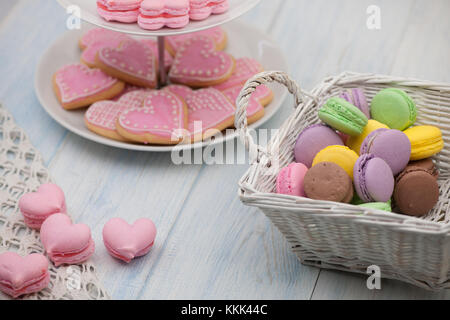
(365, 154)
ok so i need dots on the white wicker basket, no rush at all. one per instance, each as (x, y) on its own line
(346, 237)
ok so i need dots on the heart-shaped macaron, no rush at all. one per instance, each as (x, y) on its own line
(101, 117)
(197, 63)
(38, 206)
(23, 275)
(261, 97)
(202, 9)
(245, 69)
(66, 243)
(209, 111)
(161, 120)
(78, 86)
(126, 242)
(133, 62)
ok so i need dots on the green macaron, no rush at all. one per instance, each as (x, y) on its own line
(394, 108)
(384, 206)
(343, 116)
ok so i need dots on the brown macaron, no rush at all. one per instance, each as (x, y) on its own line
(416, 191)
(329, 182)
(426, 164)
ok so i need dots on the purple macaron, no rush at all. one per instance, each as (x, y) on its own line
(312, 140)
(393, 146)
(373, 178)
(357, 97)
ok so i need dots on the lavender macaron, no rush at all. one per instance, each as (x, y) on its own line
(373, 179)
(357, 97)
(393, 146)
(312, 140)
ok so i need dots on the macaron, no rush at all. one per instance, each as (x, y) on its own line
(373, 178)
(313, 139)
(416, 191)
(340, 155)
(383, 206)
(328, 182)
(290, 180)
(37, 206)
(355, 142)
(343, 116)
(393, 146)
(125, 11)
(66, 243)
(426, 164)
(128, 241)
(426, 141)
(23, 275)
(357, 98)
(395, 108)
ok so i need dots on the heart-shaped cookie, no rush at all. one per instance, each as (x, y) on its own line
(78, 86)
(66, 243)
(38, 206)
(133, 62)
(209, 111)
(101, 117)
(125, 241)
(261, 97)
(162, 120)
(198, 63)
(245, 69)
(97, 39)
(153, 45)
(23, 275)
(217, 33)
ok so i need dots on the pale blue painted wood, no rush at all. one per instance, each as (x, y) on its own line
(209, 245)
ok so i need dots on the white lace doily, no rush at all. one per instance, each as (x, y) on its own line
(21, 171)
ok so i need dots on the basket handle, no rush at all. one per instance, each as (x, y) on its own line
(243, 100)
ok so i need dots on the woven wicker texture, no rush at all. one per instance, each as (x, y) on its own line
(345, 237)
(22, 171)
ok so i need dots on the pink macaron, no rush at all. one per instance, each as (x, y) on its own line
(202, 9)
(126, 242)
(23, 275)
(155, 14)
(290, 180)
(37, 206)
(126, 11)
(66, 243)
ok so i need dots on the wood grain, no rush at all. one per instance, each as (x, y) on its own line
(208, 244)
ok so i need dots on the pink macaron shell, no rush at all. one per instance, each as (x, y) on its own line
(119, 16)
(160, 7)
(121, 5)
(23, 275)
(290, 180)
(150, 23)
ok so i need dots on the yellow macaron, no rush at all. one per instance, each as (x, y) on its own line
(355, 142)
(340, 155)
(426, 141)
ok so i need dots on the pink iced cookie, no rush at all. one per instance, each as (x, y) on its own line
(217, 33)
(290, 180)
(66, 243)
(126, 242)
(153, 45)
(126, 11)
(155, 14)
(102, 116)
(38, 206)
(208, 109)
(132, 62)
(162, 120)
(97, 39)
(202, 9)
(245, 69)
(258, 100)
(128, 88)
(23, 275)
(198, 63)
(77, 86)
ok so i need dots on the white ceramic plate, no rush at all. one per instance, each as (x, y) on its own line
(88, 12)
(244, 41)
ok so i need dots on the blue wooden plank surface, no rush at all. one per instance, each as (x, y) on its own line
(209, 245)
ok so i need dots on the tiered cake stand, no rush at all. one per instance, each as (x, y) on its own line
(243, 41)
